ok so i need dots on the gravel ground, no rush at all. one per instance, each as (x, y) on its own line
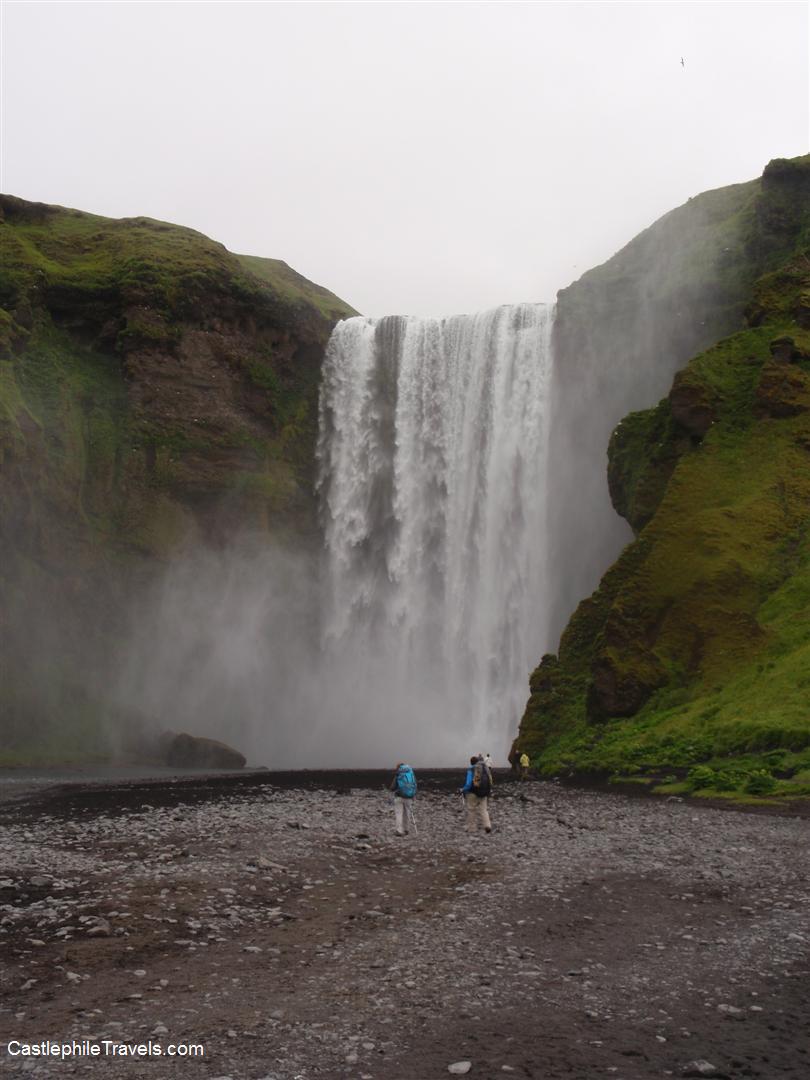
(292, 935)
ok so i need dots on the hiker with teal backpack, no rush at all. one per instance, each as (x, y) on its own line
(476, 791)
(403, 785)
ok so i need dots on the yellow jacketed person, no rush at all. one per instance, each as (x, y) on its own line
(524, 766)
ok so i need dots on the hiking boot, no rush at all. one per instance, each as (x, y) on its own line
(489, 830)
(400, 832)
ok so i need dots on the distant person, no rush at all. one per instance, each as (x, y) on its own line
(476, 791)
(524, 766)
(488, 761)
(403, 785)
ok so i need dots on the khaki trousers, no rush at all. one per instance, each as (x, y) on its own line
(401, 815)
(477, 812)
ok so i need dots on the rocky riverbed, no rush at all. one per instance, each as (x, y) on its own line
(285, 929)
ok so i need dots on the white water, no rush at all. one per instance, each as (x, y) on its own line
(432, 456)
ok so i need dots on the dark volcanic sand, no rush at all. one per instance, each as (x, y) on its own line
(276, 920)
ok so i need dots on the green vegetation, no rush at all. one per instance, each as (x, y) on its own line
(689, 665)
(643, 452)
(113, 335)
(293, 287)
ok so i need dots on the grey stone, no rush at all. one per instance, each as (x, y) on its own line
(700, 1067)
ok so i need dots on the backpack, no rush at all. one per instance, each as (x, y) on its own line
(482, 780)
(406, 782)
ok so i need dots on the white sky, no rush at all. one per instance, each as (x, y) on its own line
(424, 158)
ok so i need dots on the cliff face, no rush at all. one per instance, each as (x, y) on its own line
(621, 333)
(156, 391)
(692, 652)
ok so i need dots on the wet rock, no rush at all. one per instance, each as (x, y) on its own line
(99, 929)
(701, 1067)
(193, 752)
(691, 405)
(783, 391)
(785, 350)
(731, 1011)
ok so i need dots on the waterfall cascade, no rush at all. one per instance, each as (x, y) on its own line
(432, 458)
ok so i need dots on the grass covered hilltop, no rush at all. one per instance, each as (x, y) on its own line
(689, 667)
(156, 391)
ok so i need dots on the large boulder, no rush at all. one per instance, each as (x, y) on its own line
(192, 752)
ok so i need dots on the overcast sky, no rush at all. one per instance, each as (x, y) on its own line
(423, 158)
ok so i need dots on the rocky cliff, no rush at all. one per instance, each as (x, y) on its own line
(621, 333)
(156, 392)
(688, 663)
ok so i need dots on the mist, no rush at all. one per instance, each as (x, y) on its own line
(223, 644)
(229, 644)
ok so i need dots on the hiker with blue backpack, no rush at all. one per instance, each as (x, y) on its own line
(476, 791)
(403, 785)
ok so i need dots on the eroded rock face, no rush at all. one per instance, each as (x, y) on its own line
(193, 752)
(691, 406)
(783, 390)
(785, 348)
(175, 383)
(618, 689)
(625, 670)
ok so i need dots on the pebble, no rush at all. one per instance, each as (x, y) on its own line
(215, 906)
(100, 929)
(732, 1011)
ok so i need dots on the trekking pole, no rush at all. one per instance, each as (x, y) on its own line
(412, 819)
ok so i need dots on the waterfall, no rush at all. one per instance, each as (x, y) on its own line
(432, 476)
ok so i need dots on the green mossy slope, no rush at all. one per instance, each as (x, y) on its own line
(691, 662)
(147, 374)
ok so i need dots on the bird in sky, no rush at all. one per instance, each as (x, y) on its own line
(682, 63)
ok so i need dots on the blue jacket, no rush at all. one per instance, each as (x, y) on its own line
(468, 783)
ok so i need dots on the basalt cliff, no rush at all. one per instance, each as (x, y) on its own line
(156, 391)
(687, 668)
